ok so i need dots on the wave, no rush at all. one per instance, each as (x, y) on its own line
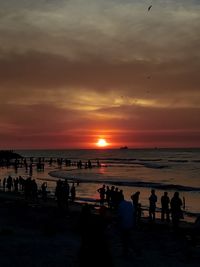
(149, 159)
(131, 165)
(115, 159)
(145, 164)
(178, 160)
(158, 186)
(174, 187)
(128, 159)
(153, 165)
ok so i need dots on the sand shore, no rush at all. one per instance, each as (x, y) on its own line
(36, 234)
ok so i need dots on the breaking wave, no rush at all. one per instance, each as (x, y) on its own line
(162, 186)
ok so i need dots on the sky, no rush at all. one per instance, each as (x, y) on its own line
(73, 71)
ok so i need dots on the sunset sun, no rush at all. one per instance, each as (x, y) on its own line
(102, 143)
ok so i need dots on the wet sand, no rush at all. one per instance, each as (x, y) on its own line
(36, 234)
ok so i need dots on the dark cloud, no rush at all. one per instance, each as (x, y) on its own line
(35, 70)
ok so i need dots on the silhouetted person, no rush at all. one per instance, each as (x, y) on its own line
(116, 198)
(31, 169)
(44, 191)
(26, 165)
(137, 205)
(4, 184)
(102, 192)
(165, 207)
(152, 205)
(89, 164)
(73, 192)
(112, 197)
(16, 183)
(65, 195)
(86, 165)
(126, 223)
(50, 161)
(135, 198)
(9, 183)
(34, 190)
(98, 164)
(58, 193)
(108, 196)
(120, 196)
(21, 183)
(79, 164)
(176, 211)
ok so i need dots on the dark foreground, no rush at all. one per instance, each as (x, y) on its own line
(37, 234)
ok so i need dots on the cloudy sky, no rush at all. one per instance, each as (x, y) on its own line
(72, 71)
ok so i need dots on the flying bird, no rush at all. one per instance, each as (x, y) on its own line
(149, 7)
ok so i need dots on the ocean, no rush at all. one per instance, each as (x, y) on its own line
(129, 169)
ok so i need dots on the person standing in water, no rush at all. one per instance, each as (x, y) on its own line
(165, 207)
(137, 206)
(73, 192)
(177, 214)
(152, 205)
(102, 191)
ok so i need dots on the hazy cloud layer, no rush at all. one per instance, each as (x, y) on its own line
(108, 68)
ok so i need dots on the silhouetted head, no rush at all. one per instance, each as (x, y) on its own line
(176, 194)
(153, 191)
(165, 193)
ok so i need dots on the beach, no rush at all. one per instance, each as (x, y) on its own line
(130, 170)
(99, 133)
(36, 234)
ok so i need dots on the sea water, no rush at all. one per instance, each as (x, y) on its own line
(129, 169)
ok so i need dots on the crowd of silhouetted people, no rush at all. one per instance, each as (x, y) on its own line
(64, 193)
(28, 186)
(31, 191)
(173, 207)
(129, 211)
(30, 163)
(112, 197)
